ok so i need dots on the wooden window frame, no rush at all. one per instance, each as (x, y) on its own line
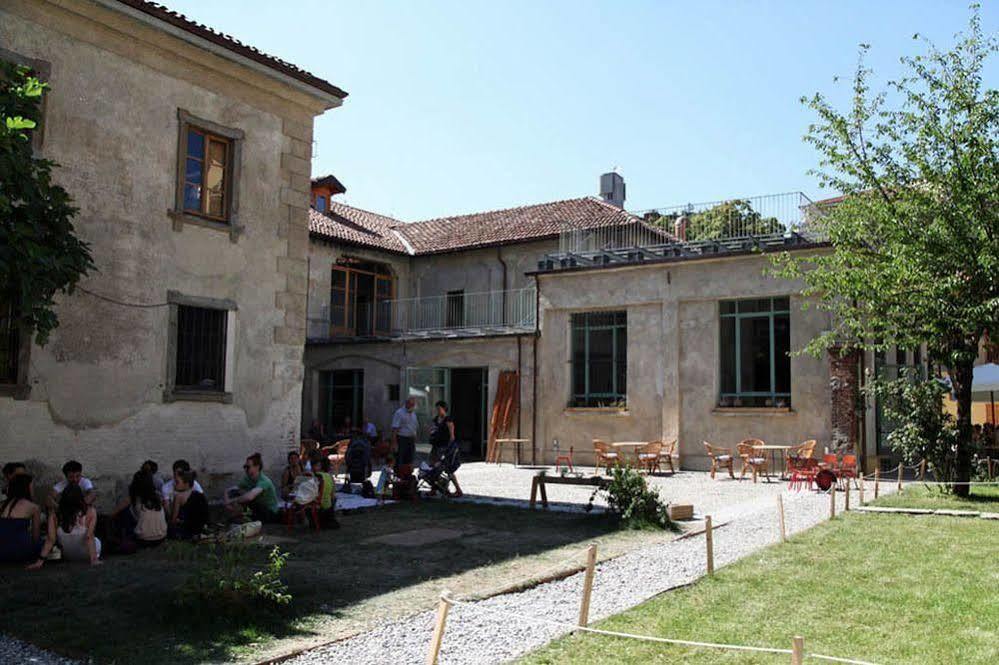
(738, 316)
(172, 393)
(212, 131)
(349, 327)
(581, 400)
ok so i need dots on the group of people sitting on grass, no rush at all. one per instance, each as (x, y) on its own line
(301, 482)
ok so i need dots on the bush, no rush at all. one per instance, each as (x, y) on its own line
(636, 504)
(922, 429)
(226, 581)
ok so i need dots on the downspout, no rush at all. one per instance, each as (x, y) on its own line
(534, 375)
(862, 424)
(520, 383)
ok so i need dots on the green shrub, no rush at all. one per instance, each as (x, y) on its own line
(225, 580)
(636, 504)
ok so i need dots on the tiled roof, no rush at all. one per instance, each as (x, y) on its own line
(500, 227)
(346, 224)
(178, 20)
(484, 229)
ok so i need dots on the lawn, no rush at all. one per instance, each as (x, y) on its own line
(875, 587)
(342, 582)
(983, 498)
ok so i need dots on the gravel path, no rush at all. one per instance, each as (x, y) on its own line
(488, 632)
(16, 651)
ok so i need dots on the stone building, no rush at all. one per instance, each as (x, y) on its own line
(617, 329)
(188, 154)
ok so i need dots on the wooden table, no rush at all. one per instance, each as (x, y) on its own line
(539, 481)
(772, 450)
(499, 448)
(622, 445)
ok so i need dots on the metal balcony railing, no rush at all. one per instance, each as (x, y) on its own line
(454, 314)
(691, 229)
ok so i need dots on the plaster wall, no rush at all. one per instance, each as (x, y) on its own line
(111, 122)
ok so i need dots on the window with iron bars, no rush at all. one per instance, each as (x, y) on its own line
(201, 344)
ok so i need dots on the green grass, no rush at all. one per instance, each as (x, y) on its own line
(341, 581)
(875, 587)
(983, 498)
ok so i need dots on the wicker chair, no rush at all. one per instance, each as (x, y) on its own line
(752, 457)
(648, 456)
(666, 455)
(802, 451)
(604, 454)
(721, 458)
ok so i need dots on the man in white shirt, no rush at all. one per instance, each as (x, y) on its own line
(73, 472)
(404, 428)
(168, 487)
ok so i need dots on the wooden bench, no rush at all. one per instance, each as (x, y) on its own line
(539, 481)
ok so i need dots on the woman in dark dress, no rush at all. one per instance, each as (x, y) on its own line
(442, 434)
(20, 522)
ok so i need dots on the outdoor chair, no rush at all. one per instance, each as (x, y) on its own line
(752, 457)
(305, 450)
(648, 456)
(721, 458)
(830, 461)
(337, 454)
(847, 470)
(564, 459)
(803, 450)
(666, 455)
(604, 454)
(295, 511)
(802, 472)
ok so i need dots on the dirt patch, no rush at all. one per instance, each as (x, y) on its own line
(416, 537)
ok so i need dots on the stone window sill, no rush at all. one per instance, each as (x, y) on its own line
(752, 411)
(18, 391)
(196, 396)
(180, 218)
(597, 410)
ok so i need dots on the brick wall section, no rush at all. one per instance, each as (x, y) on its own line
(843, 382)
(296, 172)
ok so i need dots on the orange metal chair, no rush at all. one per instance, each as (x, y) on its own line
(721, 458)
(567, 459)
(848, 469)
(802, 472)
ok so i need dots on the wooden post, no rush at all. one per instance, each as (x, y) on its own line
(846, 497)
(591, 565)
(899, 476)
(438, 636)
(877, 480)
(780, 511)
(832, 502)
(922, 469)
(797, 650)
(709, 544)
(861, 486)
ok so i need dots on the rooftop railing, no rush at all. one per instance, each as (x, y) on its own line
(737, 224)
(454, 314)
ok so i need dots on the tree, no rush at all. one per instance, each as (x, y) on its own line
(729, 219)
(40, 254)
(915, 241)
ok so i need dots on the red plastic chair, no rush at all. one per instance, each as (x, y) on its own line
(567, 459)
(803, 472)
(848, 469)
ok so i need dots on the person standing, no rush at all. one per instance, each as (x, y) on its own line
(441, 440)
(404, 429)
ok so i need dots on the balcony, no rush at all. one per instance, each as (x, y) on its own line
(691, 230)
(452, 315)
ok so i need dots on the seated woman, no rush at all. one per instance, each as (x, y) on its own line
(20, 522)
(327, 487)
(71, 526)
(189, 510)
(141, 515)
(292, 471)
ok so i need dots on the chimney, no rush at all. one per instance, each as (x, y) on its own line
(680, 228)
(612, 189)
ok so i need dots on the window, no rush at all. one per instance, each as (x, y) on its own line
(201, 344)
(208, 166)
(454, 313)
(10, 344)
(360, 299)
(599, 359)
(393, 392)
(321, 203)
(341, 396)
(207, 174)
(755, 340)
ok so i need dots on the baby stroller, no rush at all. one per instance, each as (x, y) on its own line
(438, 476)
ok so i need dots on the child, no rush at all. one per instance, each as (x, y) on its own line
(327, 498)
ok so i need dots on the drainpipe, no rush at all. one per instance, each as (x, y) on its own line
(499, 257)
(534, 375)
(520, 392)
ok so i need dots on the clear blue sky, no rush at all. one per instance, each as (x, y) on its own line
(462, 106)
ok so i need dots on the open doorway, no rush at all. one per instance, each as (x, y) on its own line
(468, 409)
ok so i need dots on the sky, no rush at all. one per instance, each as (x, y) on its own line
(464, 106)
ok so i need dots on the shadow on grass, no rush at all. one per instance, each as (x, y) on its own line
(125, 609)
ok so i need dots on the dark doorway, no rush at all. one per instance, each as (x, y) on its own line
(468, 409)
(341, 394)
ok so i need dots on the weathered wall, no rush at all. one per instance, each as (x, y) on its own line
(386, 362)
(111, 123)
(673, 360)
(478, 270)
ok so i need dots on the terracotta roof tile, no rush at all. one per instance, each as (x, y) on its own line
(178, 20)
(354, 226)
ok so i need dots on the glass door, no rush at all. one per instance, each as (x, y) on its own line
(427, 385)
